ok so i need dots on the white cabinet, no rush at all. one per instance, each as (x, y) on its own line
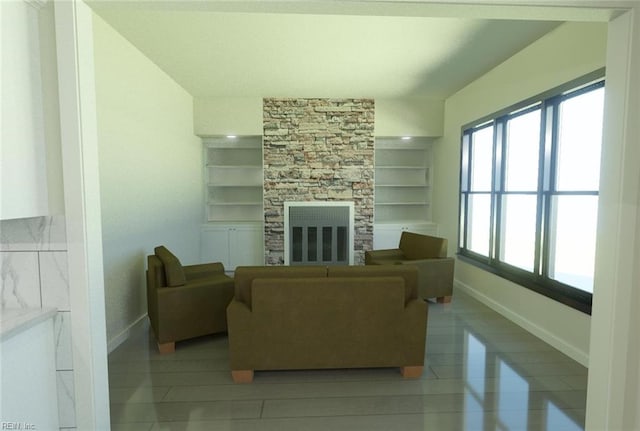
(234, 180)
(232, 244)
(27, 367)
(402, 179)
(387, 235)
(22, 139)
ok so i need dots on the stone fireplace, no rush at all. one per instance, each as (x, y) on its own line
(317, 150)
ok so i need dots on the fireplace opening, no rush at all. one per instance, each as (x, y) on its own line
(318, 233)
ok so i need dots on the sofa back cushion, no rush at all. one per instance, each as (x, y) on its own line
(417, 246)
(172, 267)
(408, 273)
(244, 276)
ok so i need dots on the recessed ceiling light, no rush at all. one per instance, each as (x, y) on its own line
(406, 138)
(231, 136)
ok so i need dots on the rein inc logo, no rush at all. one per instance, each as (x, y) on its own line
(16, 426)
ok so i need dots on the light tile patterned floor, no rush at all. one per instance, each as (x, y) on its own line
(482, 373)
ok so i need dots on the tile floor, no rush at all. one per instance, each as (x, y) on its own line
(482, 373)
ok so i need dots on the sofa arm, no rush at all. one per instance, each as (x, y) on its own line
(370, 256)
(414, 319)
(194, 272)
(239, 324)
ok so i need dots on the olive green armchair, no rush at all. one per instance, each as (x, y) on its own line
(429, 254)
(185, 301)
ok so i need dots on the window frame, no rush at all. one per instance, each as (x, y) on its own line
(538, 279)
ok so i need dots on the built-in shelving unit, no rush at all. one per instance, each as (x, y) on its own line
(402, 179)
(234, 179)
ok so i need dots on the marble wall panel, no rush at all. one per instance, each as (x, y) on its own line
(20, 280)
(54, 280)
(66, 399)
(34, 273)
(33, 234)
(62, 336)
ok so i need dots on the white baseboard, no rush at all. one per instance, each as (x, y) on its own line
(123, 336)
(546, 336)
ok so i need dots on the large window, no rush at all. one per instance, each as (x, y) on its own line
(529, 193)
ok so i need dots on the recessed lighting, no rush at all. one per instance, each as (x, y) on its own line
(231, 136)
(406, 138)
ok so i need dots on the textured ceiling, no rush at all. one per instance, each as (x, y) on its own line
(214, 53)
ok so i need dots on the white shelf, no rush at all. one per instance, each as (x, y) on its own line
(403, 203)
(234, 178)
(234, 213)
(231, 203)
(387, 234)
(235, 166)
(403, 185)
(402, 180)
(400, 213)
(403, 168)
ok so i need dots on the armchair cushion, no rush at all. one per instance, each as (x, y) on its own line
(172, 267)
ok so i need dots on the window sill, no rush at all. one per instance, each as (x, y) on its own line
(567, 295)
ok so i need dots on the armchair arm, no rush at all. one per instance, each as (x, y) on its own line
(186, 311)
(435, 276)
(389, 253)
(431, 261)
(194, 272)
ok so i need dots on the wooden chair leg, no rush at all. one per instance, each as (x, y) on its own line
(242, 376)
(444, 299)
(167, 347)
(411, 372)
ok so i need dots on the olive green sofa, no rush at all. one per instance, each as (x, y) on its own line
(185, 301)
(315, 317)
(429, 255)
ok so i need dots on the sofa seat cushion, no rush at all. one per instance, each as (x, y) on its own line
(172, 267)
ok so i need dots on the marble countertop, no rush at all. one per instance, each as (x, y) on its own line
(16, 320)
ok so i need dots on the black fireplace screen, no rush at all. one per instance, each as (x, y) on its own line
(319, 235)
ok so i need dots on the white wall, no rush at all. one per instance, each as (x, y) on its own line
(227, 116)
(150, 173)
(568, 52)
(614, 359)
(412, 116)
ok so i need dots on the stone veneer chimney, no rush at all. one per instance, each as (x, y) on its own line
(317, 150)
